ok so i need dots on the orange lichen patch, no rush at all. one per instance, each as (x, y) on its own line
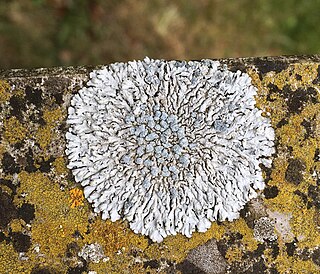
(233, 254)
(76, 197)
(176, 248)
(60, 167)
(14, 130)
(118, 242)
(115, 237)
(4, 91)
(54, 223)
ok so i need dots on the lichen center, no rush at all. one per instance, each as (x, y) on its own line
(162, 147)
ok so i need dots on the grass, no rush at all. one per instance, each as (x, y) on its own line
(53, 32)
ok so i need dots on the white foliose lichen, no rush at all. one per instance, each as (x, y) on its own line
(169, 146)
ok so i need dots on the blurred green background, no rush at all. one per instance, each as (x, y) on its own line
(39, 33)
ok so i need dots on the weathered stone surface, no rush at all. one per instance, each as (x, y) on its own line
(207, 258)
(45, 221)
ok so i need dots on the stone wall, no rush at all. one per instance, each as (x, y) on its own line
(46, 225)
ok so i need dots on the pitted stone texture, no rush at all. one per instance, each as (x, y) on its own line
(170, 146)
(264, 229)
(208, 258)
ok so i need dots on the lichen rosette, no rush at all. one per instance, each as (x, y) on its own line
(169, 146)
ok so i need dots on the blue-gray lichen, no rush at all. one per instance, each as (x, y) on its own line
(170, 146)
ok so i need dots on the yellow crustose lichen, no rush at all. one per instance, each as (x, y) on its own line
(4, 91)
(14, 131)
(292, 135)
